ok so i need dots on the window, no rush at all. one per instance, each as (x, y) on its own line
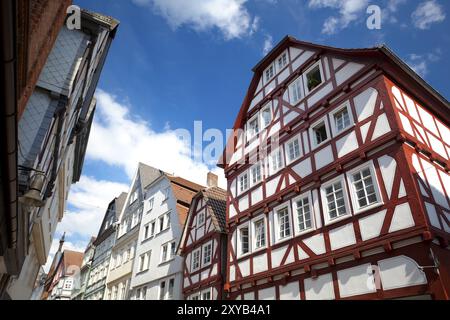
(206, 295)
(255, 173)
(152, 228)
(266, 115)
(167, 220)
(195, 259)
(243, 240)
(259, 228)
(150, 204)
(302, 211)
(195, 297)
(167, 251)
(207, 254)
(144, 261)
(365, 189)
(68, 284)
(161, 223)
(170, 289)
(284, 224)
(295, 91)
(172, 249)
(269, 73)
(282, 61)
(146, 231)
(275, 161)
(243, 182)
(335, 201)
(166, 193)
(313, 77)
(133, 196)
(253, 127)
(320, 133)
(293, 150)
(342, 119)
(201, 218)
(162, 290)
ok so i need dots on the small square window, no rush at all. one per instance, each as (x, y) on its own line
(313, 77)
(201, 218)
(342, 119)
(334, 195)
(365, 192)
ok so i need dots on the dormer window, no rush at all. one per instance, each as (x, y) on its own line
(269, 73)
(313, 77)
(282, 61)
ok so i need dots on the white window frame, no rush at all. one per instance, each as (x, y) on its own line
(247, 131)
(240, 191)
(267, 80)
(270, 170)
(311, 211)
(203, 220)
(291, 88)
(151, 202)
(286, 149)
(278, 68)
(276, 230)
(312, 133)
(209, 291)
(252, 184)
(146, 261)
(261, 118)
(168, 297)
(238, 240)
(152, 225)
(324, 201)
(163, 291)
(376, 185)
(334, 128)
(305, 77)
(262, 217)
(166, 194)
(208, 244)
(199, 250)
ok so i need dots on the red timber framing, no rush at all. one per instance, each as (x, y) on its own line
(398, 129)
(204, 240)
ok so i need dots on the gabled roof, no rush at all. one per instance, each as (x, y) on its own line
(380, 53)
(71, 260)
(148, 174)
(216, 204)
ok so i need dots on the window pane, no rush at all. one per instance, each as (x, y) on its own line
(313, 78)
(244, 240)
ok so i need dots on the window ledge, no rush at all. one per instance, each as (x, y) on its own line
(344, 217)
(372, 206)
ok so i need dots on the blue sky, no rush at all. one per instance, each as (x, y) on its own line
(176, 61)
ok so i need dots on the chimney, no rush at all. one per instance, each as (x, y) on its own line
(212, 180)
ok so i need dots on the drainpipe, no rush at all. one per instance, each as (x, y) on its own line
(8, 134)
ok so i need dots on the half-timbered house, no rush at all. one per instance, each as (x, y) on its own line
(338, 179)
(203, 244)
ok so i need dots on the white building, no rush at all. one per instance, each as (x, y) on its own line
(123, 252)
(157, 271)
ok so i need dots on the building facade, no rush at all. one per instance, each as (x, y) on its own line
(338, 179)
(104, 243)
(127, 233)
(25, 48)
(53, 132)
(157, 271)
(63, 278)
(82, 278)
(203, 245)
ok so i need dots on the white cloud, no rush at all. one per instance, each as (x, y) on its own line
(420, 62)
(268, 44)
(229, 16)
(89, 199)
(349, 11)
(427, 13)
(119, 140)
(389, 13)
